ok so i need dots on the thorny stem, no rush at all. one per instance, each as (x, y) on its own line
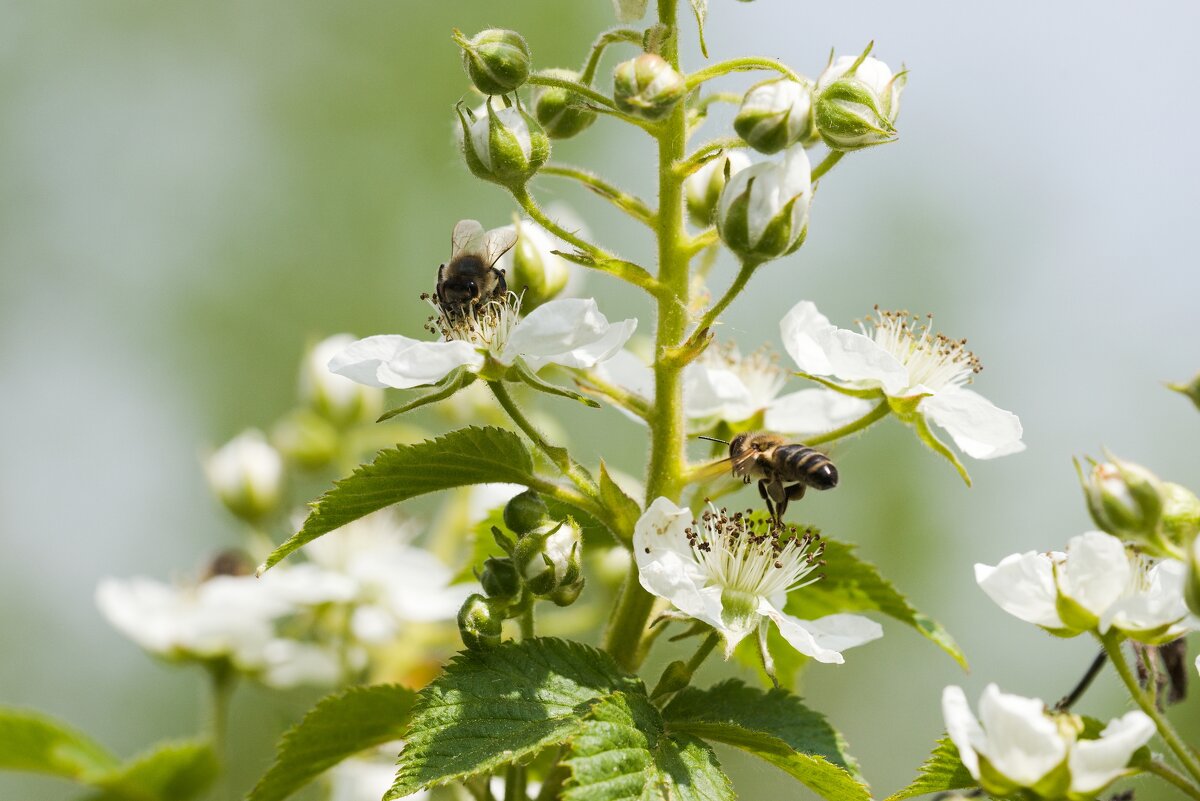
(1068, 700)
(604, 40)
(558, 455)
(1170, 775)
(664, 473)
(878, 413)
(740, 65)
(632, 205)
(1185, 755)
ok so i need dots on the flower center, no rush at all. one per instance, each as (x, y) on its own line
(751, 555)
(487, 326)
(759, 370)
(932, 359)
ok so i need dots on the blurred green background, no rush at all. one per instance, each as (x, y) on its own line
(191, 191)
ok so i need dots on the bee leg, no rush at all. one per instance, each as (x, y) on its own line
(762, 491)
(793, 493)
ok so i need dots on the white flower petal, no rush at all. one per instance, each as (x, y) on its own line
(775, 185)
(1023, 585)
(289, 663)
(813, 411)
(979, 428)
(715, 391)
(825, 638)
(308, 584)
(666, 565)
(962, 727)
(392, 360)
(1156, 601)
(628, 371)
(1096, 763)
(848, 358)
(1022, 742)
(569, 331)
(1096, 571)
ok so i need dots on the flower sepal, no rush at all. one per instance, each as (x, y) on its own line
(926, 435)
(456, 379)
(520, 371)
(863, 394)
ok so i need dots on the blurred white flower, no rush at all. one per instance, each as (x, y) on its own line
(922, 374)
(1098, 584)
(367, 777)
(736, 576)
(336, 397)
(570, 332)
(393, 582)
(1016, 743)
(291, 663)
(246, 474)
(533, 270)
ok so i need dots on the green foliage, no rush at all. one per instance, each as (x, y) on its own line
(500, 705)
(36, 743)
(853, 585)
(337, 727)
(941, 772)
(467, 456)
(621, 752)
(625, 510)
(173, 771)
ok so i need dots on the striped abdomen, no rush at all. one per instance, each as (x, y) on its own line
(804, 464)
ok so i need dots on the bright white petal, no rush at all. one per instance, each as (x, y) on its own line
(628, 371)
(1023, 585)
(813, 411)
(715, 391)
(308, 584)
(980, 429)
(1095, 763)
(569, 331)
(1096, 571)
(595, 352)
(846, 357)
(1156, 600)
(1022, 742)
(825, 638)
(802, 330)
(391, 360)
(295, 664)
(963, 728)
(666, 565)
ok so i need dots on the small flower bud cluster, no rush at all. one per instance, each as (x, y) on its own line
(542, 563)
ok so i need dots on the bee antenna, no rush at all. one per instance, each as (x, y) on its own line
(712, 439)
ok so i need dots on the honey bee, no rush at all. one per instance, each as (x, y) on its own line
(469, 278)
(784, 469)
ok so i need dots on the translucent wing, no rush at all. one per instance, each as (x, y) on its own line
(496, 243)
(468, 237)
(710, 470)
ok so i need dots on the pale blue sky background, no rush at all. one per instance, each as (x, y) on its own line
(192, 190)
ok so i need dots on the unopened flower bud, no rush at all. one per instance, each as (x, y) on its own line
(1125, 500)
(1190, 389)
(561, 112)
(506, 146)
(703, 187)
(479, 624)
(536, 273)
(567, 594)
(647, 87)
(246, 474)
(857, 101)
(341, 400)
(526, 512)
(776, 114)
(549, 558)
(496, 60)
(763, 210)
(500, 579)
(1180, 514)
(306, 438)
(1191, 589)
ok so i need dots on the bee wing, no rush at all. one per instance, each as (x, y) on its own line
(743, 461)
(468, 237)
(496, 243)
(711, 470)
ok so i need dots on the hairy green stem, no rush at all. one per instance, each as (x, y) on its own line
(879, 412)
(706, 648)
(603, 41)
(689, 350)
(667, 429)
(1172, 776)
(525, 622)
(743, 64)
(558, 455)
(707, 152)
(1186, 756)
(632, 205)
(603, 103)
(827, 164)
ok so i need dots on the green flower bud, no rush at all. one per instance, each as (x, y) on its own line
(496, 60)
(246, 474)
(1126, 501)
(647, 87)
(549, 558)
(560, 111)
(776, 114)
(307, 438)
(479, 624)
(1191, 590)
(506, 146)
(1180, 515)
(342, 401)
(763, 210)
(857, 101)
(703, 187)
(526, 512)
(534, 271)
(1190, 389)
(500, 579)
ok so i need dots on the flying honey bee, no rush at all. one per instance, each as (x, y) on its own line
(469, 278)
(784, 469)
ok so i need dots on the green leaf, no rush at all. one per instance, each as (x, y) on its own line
(853, 585)
(622, 753)
(775, 712)
(467, 456)
(941, 772)
(625, 510)
(500, 705)
(173, 771)
(337, 727)
(33, 742)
